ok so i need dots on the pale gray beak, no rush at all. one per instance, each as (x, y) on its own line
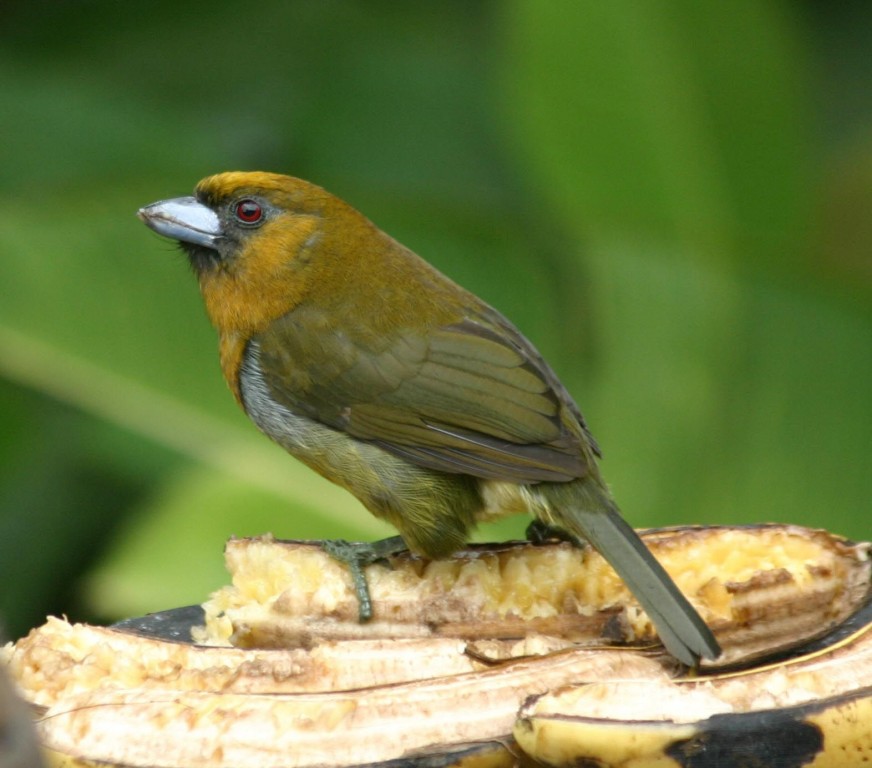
(183, 219)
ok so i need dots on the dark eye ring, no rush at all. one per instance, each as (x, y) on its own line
(248, 211)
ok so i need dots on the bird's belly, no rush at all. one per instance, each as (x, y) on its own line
(433, 511)
(348, 462)
(345, 461)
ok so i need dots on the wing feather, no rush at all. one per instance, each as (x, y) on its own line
(466, 398)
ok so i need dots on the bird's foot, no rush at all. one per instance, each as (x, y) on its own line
(359, 554)
(538, 532)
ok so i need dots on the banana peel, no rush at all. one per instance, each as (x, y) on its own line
(814, 709)
(283, 675)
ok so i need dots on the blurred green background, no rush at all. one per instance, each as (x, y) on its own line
(672, 199)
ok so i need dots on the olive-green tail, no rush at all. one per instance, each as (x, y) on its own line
(585, 509)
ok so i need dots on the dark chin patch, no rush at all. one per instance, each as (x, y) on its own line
(201, 259)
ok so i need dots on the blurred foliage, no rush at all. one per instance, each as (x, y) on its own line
(671, 199)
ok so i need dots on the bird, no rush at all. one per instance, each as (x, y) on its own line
(379, 372)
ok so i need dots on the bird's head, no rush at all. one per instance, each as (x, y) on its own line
(259, 243)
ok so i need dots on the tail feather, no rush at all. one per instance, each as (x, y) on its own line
(597, 519)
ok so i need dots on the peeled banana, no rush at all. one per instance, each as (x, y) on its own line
(499, 652)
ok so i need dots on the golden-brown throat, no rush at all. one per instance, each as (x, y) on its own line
(259, 274)
(263, 279)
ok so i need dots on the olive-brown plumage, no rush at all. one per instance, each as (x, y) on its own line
(389, 379)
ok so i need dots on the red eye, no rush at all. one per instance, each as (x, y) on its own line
(248, 211)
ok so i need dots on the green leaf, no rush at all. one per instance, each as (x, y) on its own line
(674, 122)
